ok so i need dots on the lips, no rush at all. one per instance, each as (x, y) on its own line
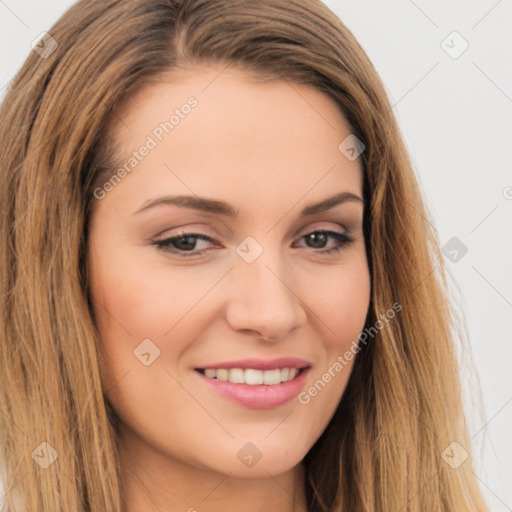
(257, 383)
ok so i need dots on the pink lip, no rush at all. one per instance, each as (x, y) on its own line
(261, 364)
(259, 396)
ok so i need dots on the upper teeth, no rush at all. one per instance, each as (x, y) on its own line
(252, 376)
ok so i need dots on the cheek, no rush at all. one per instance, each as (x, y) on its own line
(340, 302)
(137, 300)
(340, 309)
(134, 309)
(352, 300)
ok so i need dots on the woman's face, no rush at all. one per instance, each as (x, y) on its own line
(246, 280)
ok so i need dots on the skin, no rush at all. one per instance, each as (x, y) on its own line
(268, 150)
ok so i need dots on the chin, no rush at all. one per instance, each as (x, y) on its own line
(258, 458)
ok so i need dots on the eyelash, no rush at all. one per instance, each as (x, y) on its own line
(165, 245)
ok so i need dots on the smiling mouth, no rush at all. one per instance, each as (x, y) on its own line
(252, 376)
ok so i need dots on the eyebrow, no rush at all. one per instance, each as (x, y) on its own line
(221, 208)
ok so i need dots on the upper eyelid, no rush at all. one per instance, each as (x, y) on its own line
(312, 226)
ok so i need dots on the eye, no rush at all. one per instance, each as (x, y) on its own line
(184, 244)
(321, 238)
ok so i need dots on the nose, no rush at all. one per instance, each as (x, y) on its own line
(262, 300)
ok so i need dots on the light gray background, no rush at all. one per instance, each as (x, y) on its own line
(455, 115)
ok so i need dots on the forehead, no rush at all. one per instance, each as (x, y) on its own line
(241, 136)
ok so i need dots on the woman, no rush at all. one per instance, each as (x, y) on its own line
(301, 358)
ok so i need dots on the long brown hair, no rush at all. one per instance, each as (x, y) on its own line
(382, 450)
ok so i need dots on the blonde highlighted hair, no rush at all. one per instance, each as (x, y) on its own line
(402, 406)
